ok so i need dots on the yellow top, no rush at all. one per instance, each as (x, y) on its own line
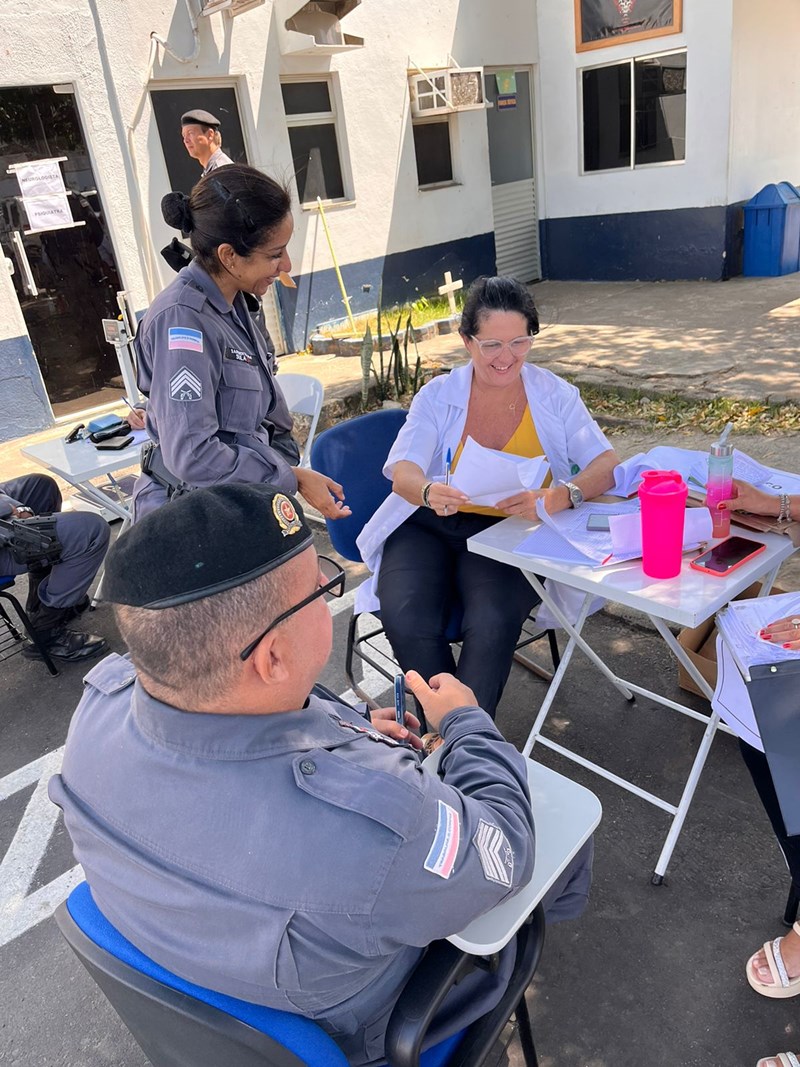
(524, 441)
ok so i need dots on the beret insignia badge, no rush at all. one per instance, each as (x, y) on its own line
(286, 514)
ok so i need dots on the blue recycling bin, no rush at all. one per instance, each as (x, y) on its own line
(772, 232)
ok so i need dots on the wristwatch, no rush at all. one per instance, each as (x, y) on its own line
(575, 494)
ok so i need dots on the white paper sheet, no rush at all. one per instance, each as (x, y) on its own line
(626, 533)
(741, 621)
(692, 465)
(544, 543)
(731, 700)
(487, 476)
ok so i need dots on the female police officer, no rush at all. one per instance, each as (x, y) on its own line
(215, 411)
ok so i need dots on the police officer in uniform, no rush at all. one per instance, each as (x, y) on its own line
(215, 411)
(57, 591)
(297, 855)
(202, 140)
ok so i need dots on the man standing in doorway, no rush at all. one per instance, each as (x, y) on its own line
(203, 140)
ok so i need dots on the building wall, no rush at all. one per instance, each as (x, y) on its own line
(765, 97)
(658, 222)
(389, 229)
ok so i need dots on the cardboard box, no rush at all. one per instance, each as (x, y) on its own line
(700, 643)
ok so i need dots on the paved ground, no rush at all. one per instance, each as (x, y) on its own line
(650, 975)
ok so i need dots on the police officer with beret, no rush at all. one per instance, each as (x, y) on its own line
(256, 838)
(216, 412)
(203, 140)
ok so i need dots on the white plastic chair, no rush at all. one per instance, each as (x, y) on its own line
(304, 395)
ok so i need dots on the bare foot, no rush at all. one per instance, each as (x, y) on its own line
(790, 951)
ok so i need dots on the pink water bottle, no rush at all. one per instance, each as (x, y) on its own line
(720, 484)
(663, 499)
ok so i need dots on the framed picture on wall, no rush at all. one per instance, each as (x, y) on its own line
(600, 23)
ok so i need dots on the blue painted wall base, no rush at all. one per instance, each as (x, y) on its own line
(24, 407)
(405, 277)
(681, 245)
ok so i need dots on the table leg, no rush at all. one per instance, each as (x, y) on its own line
(767, 582)
(575, 639)
(686, 800)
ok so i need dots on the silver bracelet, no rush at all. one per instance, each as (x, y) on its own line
(785, 512)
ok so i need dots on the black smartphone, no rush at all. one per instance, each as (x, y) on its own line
(113, 444)
(400, 699)
(598, 522)
(727, 556)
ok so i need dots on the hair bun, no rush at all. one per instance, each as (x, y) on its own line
(177, 212)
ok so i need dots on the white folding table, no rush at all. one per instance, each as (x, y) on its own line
(80, 462)
(565, 816)
(687, 600)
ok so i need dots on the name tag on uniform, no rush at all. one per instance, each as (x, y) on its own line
(239, 355)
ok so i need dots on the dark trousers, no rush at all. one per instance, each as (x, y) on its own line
(84, 541)
(762, 779)
(426, 574)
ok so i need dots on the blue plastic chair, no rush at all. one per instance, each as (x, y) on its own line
(180, 1024)
(354, 453)
(6, 581)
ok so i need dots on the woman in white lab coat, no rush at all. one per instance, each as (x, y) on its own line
(415, 544)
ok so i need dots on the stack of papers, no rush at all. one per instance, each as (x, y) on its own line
(564, 537)
(740, 622)
(487, 476)
(693, 468)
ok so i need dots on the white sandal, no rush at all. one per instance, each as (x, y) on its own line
(782, 985)
(785, 1059)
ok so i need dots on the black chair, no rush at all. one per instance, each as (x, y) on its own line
(13, 640)
(353, 453)
(179, 1024)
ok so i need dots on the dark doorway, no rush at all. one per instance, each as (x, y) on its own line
(66, 280)
(170, 104)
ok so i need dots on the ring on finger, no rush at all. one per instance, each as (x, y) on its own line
(795, 623)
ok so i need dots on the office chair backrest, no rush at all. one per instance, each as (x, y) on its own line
(177, 1023)
(304, 396)
(353, 453)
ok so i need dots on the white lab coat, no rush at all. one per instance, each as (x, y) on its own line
(570, 438)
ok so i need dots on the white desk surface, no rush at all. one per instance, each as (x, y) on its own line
(80, 460)
(565, 815)
(687, 600)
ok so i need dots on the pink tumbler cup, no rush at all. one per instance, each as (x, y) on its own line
(663, 499)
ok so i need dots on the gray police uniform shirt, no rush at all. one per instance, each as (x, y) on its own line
(218, 159)
(214, 406)
(297, 860)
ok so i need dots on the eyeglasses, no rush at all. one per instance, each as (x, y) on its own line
(332, 585)
(519, 347)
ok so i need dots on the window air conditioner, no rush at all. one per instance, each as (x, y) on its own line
(233, 7)
(439, 92)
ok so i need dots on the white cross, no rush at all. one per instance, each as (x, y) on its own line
(450, 287)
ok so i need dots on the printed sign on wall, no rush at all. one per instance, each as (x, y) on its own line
(43, 194)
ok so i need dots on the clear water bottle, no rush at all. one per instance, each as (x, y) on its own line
(720, 484)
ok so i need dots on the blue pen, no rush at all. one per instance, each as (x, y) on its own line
(448, 467)
(400, 699)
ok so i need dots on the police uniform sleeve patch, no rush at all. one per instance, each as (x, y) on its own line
(441, 858)
(496, 855)
(185, 386)
(184, 338)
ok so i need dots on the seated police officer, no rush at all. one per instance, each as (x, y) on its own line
(58, 580)
(257, 839)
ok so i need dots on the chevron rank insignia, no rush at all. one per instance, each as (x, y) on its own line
(496, 855)
(185, 386)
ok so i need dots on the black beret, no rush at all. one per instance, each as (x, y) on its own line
(200, 118)
(203, 543)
